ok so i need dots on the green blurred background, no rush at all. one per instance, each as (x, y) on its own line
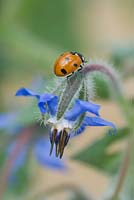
(34, 33)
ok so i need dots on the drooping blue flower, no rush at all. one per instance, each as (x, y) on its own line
(73, 121)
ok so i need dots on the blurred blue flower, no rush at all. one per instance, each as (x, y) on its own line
(27, 138)
(73, 121)
(40, 148)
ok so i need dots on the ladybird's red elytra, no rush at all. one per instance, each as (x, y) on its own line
(68, 63)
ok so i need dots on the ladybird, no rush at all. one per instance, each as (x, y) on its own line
(68, 63)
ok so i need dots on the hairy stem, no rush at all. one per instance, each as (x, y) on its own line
(116, 85)
(104, 69)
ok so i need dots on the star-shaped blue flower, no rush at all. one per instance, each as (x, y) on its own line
(72, 123)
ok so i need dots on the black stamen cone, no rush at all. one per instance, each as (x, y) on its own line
(67, 139)
(57, 149)
(52, 140)
(58, 144)
(62, 142)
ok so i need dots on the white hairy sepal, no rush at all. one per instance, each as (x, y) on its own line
(60, 124)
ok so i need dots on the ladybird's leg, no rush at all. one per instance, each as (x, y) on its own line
(81, 67)
(70, 75)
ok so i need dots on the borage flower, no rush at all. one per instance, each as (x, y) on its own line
(67, 110)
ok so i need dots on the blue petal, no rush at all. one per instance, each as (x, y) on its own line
(53, 105)
(51, 101)
(97, 121)
(41, 150)
(27, 92)
(93, 121)
(80, 130)
(81, 107)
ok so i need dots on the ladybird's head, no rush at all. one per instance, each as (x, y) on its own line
(79, 54)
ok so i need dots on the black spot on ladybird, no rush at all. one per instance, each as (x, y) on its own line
(63, 71)
(75, 64)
